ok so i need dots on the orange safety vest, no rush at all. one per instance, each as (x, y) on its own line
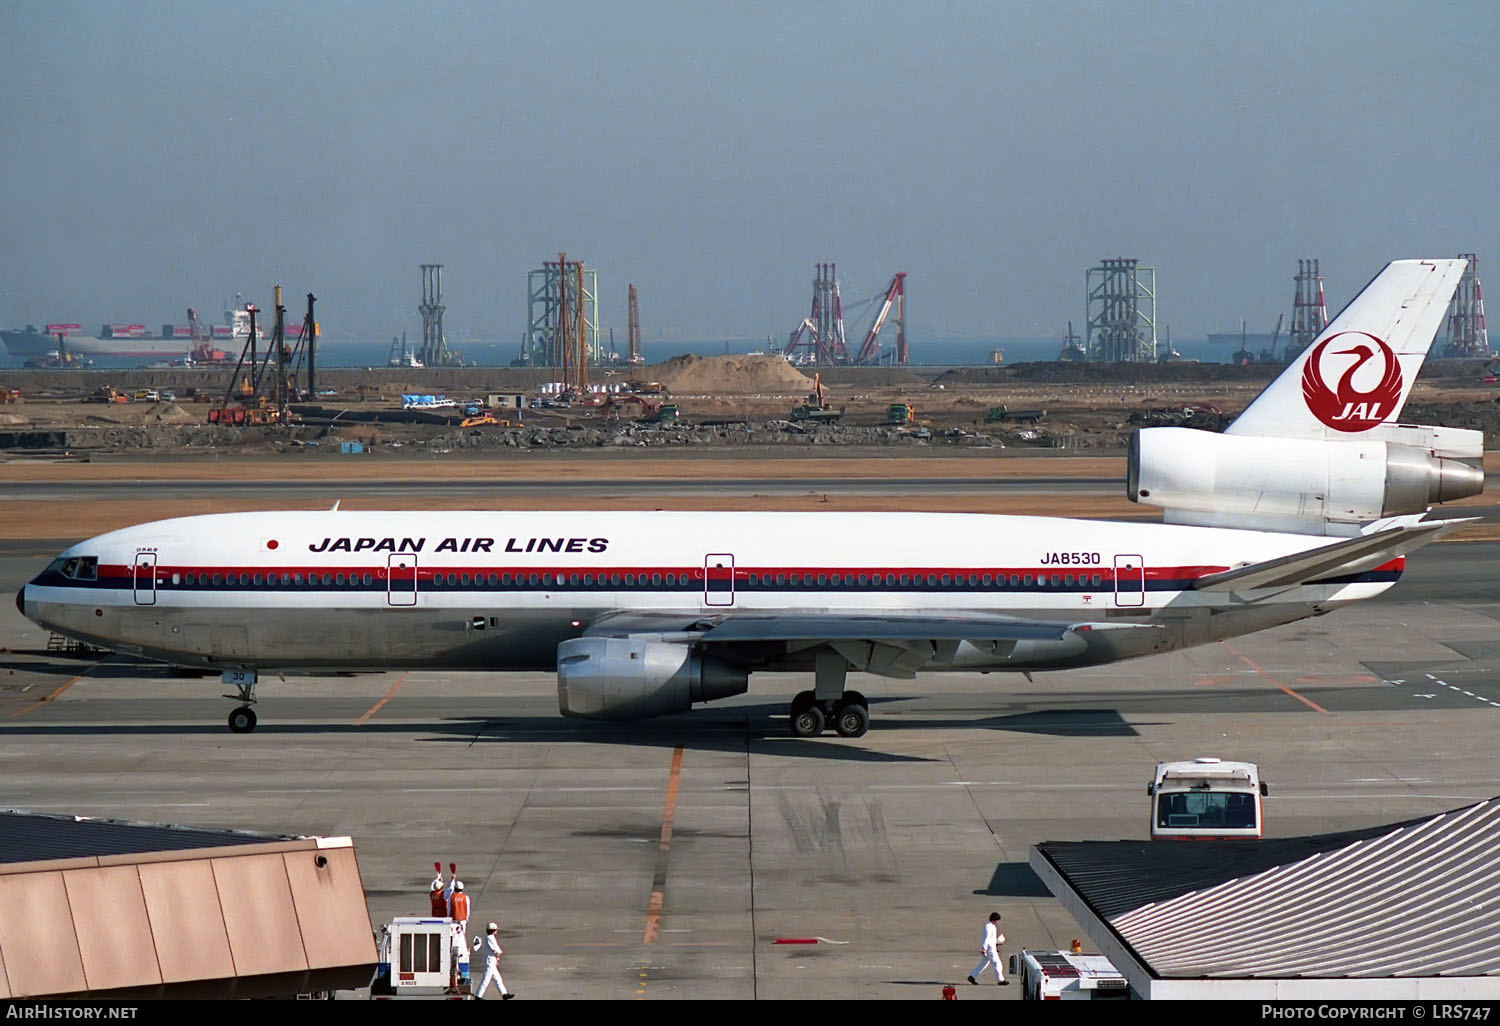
(439, 903)
(460, 906)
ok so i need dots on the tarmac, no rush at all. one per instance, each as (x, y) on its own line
(714, 856)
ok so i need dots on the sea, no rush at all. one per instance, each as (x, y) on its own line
(936, 352)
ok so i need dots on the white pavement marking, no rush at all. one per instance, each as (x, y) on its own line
(1455, 687)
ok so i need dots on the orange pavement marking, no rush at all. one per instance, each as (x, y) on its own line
(659, 879)
(388, 696)
(1280, 686)
(38, 705)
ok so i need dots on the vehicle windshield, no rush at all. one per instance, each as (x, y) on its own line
(1206, 809)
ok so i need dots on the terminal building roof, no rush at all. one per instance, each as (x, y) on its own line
(30, 837)
(1391, 911)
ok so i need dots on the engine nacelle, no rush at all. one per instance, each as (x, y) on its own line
(1292, 484)
(632, 678)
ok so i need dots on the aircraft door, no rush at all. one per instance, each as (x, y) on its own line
(401, 579)
(145, 578)
(718, 579)
(1130, 581)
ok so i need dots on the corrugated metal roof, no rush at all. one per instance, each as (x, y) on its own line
(1419, 899)
(30, 837)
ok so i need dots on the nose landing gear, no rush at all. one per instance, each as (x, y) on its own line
(242, 720)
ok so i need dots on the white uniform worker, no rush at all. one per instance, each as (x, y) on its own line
(490, 945)
(458, 911)
(989, 950)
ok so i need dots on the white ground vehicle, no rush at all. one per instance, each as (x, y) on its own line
(422, 956)
(1206, 799)
(1067, 976)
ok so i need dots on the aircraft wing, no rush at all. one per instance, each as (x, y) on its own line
(1351, 556)
(840, 627)
(891, 645)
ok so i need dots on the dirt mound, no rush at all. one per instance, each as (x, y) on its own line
(692, 375)
(168, 413)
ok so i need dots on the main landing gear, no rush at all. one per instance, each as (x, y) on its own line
(242, 720)
(829, 705)
(849, 715)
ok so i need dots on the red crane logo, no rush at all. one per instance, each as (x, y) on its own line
(1346, 408)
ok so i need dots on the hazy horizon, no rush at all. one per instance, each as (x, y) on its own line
(165, 154)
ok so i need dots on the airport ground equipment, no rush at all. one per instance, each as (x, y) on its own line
(1067, 976)
(1206, 799)
(422, 957)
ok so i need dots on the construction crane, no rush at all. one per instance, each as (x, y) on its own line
(635, 359)
(895, 296)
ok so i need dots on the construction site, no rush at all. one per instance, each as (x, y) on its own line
(827, 386)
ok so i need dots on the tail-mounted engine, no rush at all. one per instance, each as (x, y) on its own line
(1306, 486)
(632, 678)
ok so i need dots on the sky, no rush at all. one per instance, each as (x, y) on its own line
(156, 155)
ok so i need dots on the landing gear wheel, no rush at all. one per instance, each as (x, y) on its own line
(807, 722)
(242, 720)
(803, 701)
(852, 719)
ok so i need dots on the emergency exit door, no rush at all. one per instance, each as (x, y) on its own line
(401, 579)
(145, 578)
(718, 579)
(1130, 581)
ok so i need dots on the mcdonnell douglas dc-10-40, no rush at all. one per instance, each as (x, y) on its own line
(1309, 500)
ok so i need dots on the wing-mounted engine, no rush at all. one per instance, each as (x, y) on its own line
(632, 678)
(1302, 485)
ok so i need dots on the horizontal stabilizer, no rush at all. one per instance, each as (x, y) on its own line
(1352, 555)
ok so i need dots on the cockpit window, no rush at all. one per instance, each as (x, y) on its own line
(76, 568)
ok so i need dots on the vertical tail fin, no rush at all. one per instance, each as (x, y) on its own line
(1358, 373)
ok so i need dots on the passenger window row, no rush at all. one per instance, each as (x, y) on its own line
(632, 580)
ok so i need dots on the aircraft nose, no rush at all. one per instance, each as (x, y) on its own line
(21, 599)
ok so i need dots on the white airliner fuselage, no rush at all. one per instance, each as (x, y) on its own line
(302, 590)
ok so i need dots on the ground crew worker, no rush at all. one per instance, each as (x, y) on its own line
(458, 911)
(437, 901)
(490, 945)
(989, 950)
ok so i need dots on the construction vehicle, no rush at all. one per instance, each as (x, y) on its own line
(1206, 799)
(422, 957)
(651, 412)
(902, 413)
(816, 409)
(996, 414)
(10, 395)
(647, 388)
(487, 417)
(109, 394)
(1067, 976)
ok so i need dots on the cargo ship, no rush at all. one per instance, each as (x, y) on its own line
(130, 341)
